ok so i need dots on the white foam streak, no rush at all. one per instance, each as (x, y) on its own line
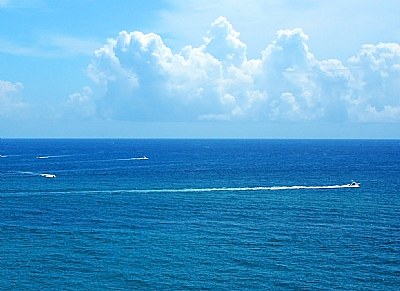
(45, 175)
(235, 189)
(53, 156)
(134, 159)
(28, 173)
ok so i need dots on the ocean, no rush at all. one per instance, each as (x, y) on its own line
(164, 214)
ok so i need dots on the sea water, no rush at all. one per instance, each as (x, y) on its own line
(199, 214)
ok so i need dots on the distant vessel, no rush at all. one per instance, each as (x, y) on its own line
(354, 185)
(140, 158)
(48, 175)
(135, 158)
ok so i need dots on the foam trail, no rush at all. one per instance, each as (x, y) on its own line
(9, 156)
(29, 173)
(133, 159)
(191, 190)
(45, 175)
(53, 156)
(230, 189)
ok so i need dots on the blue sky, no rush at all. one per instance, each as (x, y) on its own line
(185, 68)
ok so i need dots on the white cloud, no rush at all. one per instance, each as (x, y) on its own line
(336, 28)
(82, 103)
(10, 102)
(377, 74)
(138, 77)
(223, 42)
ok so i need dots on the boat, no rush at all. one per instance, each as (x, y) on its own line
(137, 158)
(354, 185)
(48, 175)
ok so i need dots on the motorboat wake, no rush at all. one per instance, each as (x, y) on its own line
(134, 159)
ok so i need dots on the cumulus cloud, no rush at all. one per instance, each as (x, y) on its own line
(136, 76)
(10, 102)
(82, 103)
(377, 70)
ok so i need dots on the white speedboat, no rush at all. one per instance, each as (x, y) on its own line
(48, 175)
(354, 185)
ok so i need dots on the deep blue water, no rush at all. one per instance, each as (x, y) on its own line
(191, 216)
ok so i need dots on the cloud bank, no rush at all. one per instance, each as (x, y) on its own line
(137, 77)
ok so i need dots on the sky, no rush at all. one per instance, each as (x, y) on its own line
(199, 69)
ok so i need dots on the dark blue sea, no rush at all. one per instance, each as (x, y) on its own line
(199, 214)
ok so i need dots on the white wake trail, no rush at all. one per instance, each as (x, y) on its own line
(45, 175)
(231, 189)
(134, 159)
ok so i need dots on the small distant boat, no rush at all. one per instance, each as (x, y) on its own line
(48, 175)
(354, 185)
(134, 158)
(140, 158)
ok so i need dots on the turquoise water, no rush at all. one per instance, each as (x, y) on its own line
(199, 214)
